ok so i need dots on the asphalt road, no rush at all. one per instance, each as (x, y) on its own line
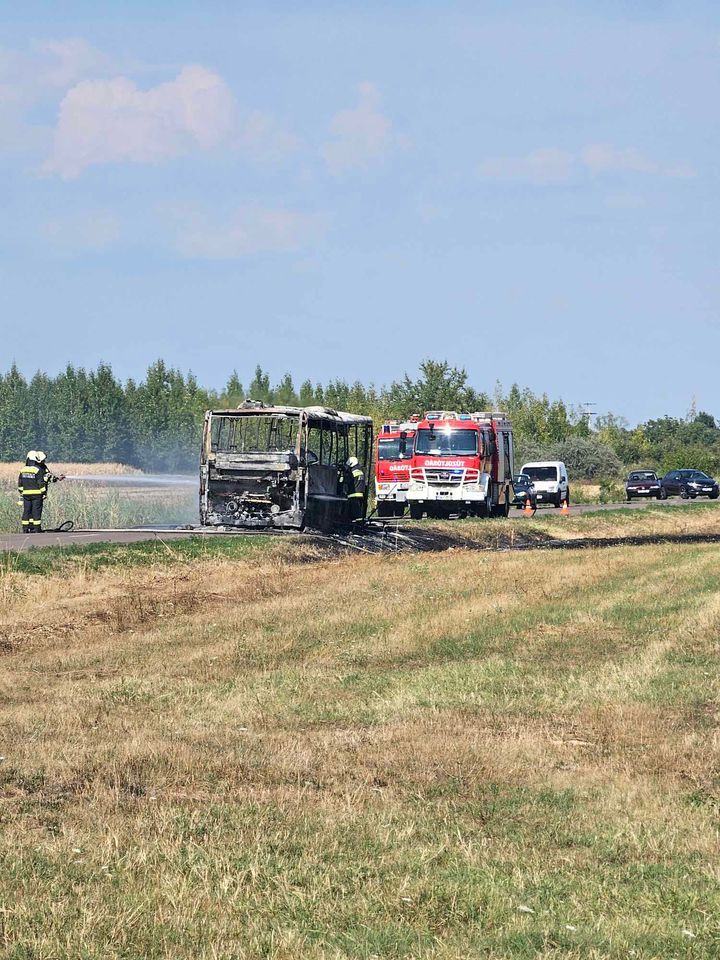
(17, 542)
(576, 508)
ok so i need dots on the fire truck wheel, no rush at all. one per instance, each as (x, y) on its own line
(501, 509)
(416, 511)
(386, 509)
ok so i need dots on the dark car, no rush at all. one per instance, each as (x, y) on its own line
(524, 490)
(690, 483)
(644, 483)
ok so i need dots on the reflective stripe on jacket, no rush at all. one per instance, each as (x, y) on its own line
(32, 481)
(358, 483)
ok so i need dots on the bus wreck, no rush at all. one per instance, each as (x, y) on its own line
(267, 466)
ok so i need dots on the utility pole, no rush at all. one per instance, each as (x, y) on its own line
(587, 412)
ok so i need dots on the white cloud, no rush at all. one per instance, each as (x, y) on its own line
(605, 158)
(90, 231)
(601, 158)
(361, 136)
(264, 140)
(31, 78)
(680, 171)
(249, 230)
(110, 121)
(104, 117)
(551, 165)
(539, 166)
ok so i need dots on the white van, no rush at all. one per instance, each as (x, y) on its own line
(551, 481)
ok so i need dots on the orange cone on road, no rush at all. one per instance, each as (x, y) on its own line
(564, 509)
(527, 509)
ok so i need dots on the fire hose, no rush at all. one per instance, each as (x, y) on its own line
(65, 527)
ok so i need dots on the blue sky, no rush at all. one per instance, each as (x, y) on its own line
(528, 190)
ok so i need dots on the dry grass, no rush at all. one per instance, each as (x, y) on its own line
(446, 756)
(582, 491)
(9, 471)
(699, 518)
(96, 504)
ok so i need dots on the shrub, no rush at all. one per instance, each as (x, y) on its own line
(611, 492)
(585, 457)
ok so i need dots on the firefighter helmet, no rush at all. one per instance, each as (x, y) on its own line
(39, 456)
(351, 462)
(32, 455)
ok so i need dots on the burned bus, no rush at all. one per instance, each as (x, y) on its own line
(267, 466)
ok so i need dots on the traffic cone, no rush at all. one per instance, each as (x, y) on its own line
(527, 509)
(564, 509)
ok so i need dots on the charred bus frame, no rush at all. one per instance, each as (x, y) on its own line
(268, 466)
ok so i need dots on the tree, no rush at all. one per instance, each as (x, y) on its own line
(307, 394)
(440, 387)
(537, 419)
(707, 419)
(233, 394)
(17, 422)
(284, 393)
(156, 423)
(108, 427)
(259, 388)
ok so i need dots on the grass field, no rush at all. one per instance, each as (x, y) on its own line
(92, 505)
(10, 471)
(246, 749)
(651, 521)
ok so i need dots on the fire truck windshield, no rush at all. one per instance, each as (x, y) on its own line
(435, 442)
(395, 448)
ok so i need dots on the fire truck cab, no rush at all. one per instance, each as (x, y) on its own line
(393, 458)
(462, 464)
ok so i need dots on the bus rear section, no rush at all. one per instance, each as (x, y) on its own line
(280, 467)
(393, 459)
(462, 465)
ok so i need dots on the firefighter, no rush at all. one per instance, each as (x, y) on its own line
(32, 487)
(355, 487)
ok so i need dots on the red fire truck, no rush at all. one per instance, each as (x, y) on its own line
(462, 464)
(393, 457)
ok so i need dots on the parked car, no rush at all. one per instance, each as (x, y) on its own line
(690, 483)
(644, 483)
(551, 481)
(524, 490)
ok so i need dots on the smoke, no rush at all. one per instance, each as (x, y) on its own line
(135, 480)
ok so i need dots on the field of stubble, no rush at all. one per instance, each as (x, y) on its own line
(249, 749)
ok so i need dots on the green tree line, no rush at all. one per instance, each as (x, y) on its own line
(155, 423)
